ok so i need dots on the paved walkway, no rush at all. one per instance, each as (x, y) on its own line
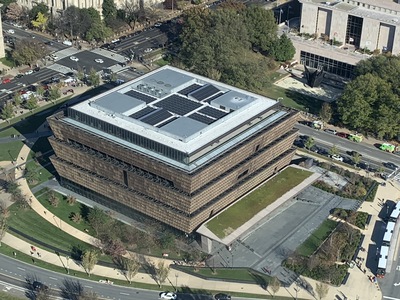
(358, 284)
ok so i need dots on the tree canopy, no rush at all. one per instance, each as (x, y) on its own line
(371, 102)
(218, 44)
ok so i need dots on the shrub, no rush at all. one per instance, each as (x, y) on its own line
(77, 218)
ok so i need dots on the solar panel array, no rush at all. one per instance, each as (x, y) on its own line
(178, 104)
(167, 122)
(137, 115)
(156, 117)
(187, 90)
(213, 97)
(140, 96)
(201, 118)
(212, 112)
(204, 92)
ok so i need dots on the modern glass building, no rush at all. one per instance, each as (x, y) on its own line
(171, 145)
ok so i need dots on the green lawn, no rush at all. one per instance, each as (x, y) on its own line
(10, 151)
(6, 296)
(34, 226)
(245, 209)
(64, 210)
(311, 244)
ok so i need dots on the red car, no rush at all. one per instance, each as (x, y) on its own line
(6, 80)
(342, 134)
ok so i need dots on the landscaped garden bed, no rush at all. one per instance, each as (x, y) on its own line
(246, 208)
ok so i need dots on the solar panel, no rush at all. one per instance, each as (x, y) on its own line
(178, 104)
(166, 122)
(137, 115)
(156, 117)
(187, 90)
(140, 96)
(204, 92)
(201, 118)
(213, 97)
(212, 112)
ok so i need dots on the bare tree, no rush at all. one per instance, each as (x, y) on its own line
(131, 266)
(71, 200)
(14, 11)
(4, 210)
(3, 228)
(162, 272)
(89, 260)
(322, 290)
(275, 285)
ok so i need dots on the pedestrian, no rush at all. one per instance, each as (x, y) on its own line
(38, 254)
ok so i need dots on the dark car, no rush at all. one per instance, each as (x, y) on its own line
(122, 64)
(343, 134)
(19, 75)
(37, 69)
(68, 91)
(353, 153)
(222, 296)
(391, 165)
(38, 286)
(69, 74)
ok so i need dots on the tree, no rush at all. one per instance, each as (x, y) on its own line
(261, 27)
(77, 218)
(131, 266)
(71, 200)
(7, 112)
(97, 219)
(356, 158)
(89, 260)
(94, 78)
(31, 175)
(98, 32)
(167, 240)
(31, 103)
(43, 294)
(334, 150)
(27, 52)
(322, 290)
(5, 4)
(131, 11)
(282, 49)
(326, 112)
(38, 8)
(3, 227)
(17, 99)
(90, 295)
(115, 247)
(14, 11)
(275, 285)
(40, 21)
(4, 211)
(40, 91)
(53, 199)
(54, 93)
(109, 10)
(309, 143)
(162, 272)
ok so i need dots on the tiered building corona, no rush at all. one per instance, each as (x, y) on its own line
(171, 145)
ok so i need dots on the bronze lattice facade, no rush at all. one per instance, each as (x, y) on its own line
(96, 164)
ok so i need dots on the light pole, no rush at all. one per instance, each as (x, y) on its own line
(296, 290)
(67, 264)
(280, 15)
(176, 282)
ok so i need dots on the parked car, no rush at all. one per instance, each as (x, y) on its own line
(67, 43)
(37, 69)
(343, 134)
(99, 60)
(168, 296)
(391, 166)
(19, 75)
(6, 80)
(337, 157)
(331, 131)
(148, 50)
(29, 72)
(74, 58)
(10, 31)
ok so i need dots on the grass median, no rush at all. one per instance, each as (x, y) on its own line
(246, 208)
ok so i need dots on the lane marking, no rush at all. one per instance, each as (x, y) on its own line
(53, 278)
(126, 294)
(89, 287)
(391, 298)
(19, 268)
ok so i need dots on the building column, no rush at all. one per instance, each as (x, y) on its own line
(206, 244)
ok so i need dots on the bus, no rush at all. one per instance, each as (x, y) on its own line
(388, 233)
(382, 263)
(395, 213)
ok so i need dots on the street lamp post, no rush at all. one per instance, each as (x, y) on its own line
(67, 264)
(296, 290)
(280, 15)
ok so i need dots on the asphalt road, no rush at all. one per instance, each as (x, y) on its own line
(368, 152)
(27, 34)
(16, 273)
(86, 61)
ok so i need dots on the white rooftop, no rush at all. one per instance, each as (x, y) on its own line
(179, 109)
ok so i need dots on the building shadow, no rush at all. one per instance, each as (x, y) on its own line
(372, 258)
